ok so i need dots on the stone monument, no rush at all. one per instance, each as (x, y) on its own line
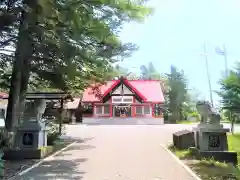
(31, 134)
(210, 136)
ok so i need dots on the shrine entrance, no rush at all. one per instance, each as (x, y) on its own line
(122, 110)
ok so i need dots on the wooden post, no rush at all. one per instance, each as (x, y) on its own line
(134, 107)
(60, 117)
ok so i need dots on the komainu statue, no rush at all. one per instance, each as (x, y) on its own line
(208, 116)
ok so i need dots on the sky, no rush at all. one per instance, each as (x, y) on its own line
(175, 34)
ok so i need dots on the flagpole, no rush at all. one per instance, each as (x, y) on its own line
(208, 74)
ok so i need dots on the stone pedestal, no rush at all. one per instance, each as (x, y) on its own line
(31, 134)
(30, 141)
(211, 137)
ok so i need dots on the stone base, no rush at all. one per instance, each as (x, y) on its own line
(13, 154)
(183, 139)
(221, 156)
(210, 128)
(209, 137)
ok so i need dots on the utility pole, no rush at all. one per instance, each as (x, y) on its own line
(208, 74)
(225, 60)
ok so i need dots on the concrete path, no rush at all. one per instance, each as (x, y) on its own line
(130, 152)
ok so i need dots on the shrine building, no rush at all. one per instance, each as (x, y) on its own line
(125, 98)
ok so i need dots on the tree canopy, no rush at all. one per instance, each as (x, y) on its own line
(149, 72)
(230, 91)
(230, 95)
(72, 40)
(63, 44)
(176, 93)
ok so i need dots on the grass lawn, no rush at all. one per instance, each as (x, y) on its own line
(234, 144)
(58, 145)
(209, 169)
(226, 121)
(186, 122)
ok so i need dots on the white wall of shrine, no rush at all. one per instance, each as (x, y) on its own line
(122, 99)
(140, 110)
(120, 88)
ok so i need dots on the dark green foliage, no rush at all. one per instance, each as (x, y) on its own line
(74, 41)
(52, 132)
(176, 94)
(230, 94)
(61, 44)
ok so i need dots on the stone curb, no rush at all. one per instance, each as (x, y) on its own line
(190, 171)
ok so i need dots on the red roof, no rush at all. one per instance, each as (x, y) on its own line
(3, 95)
(148, 90)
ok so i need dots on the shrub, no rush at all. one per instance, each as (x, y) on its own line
(195, 115)
(6, 139)
(53, 132)
(52, 137)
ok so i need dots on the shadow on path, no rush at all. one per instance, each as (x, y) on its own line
(64, 166)
(55, 169)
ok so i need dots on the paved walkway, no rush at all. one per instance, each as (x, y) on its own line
(113, 153)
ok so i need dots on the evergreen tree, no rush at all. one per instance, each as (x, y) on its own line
(64, 44)
(176, 93)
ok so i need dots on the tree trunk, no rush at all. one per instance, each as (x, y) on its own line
(232, 120)
(13, 99)
(78, 113)
(24, 49)
(23, 90)
(174, 117)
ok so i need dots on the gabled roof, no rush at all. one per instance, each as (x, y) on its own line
(126, 82)
(148, 90)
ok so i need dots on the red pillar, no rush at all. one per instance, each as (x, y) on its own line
(134, 107)
(152, 110)
(110, 106)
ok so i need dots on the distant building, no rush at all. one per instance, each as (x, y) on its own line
(124, 98)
